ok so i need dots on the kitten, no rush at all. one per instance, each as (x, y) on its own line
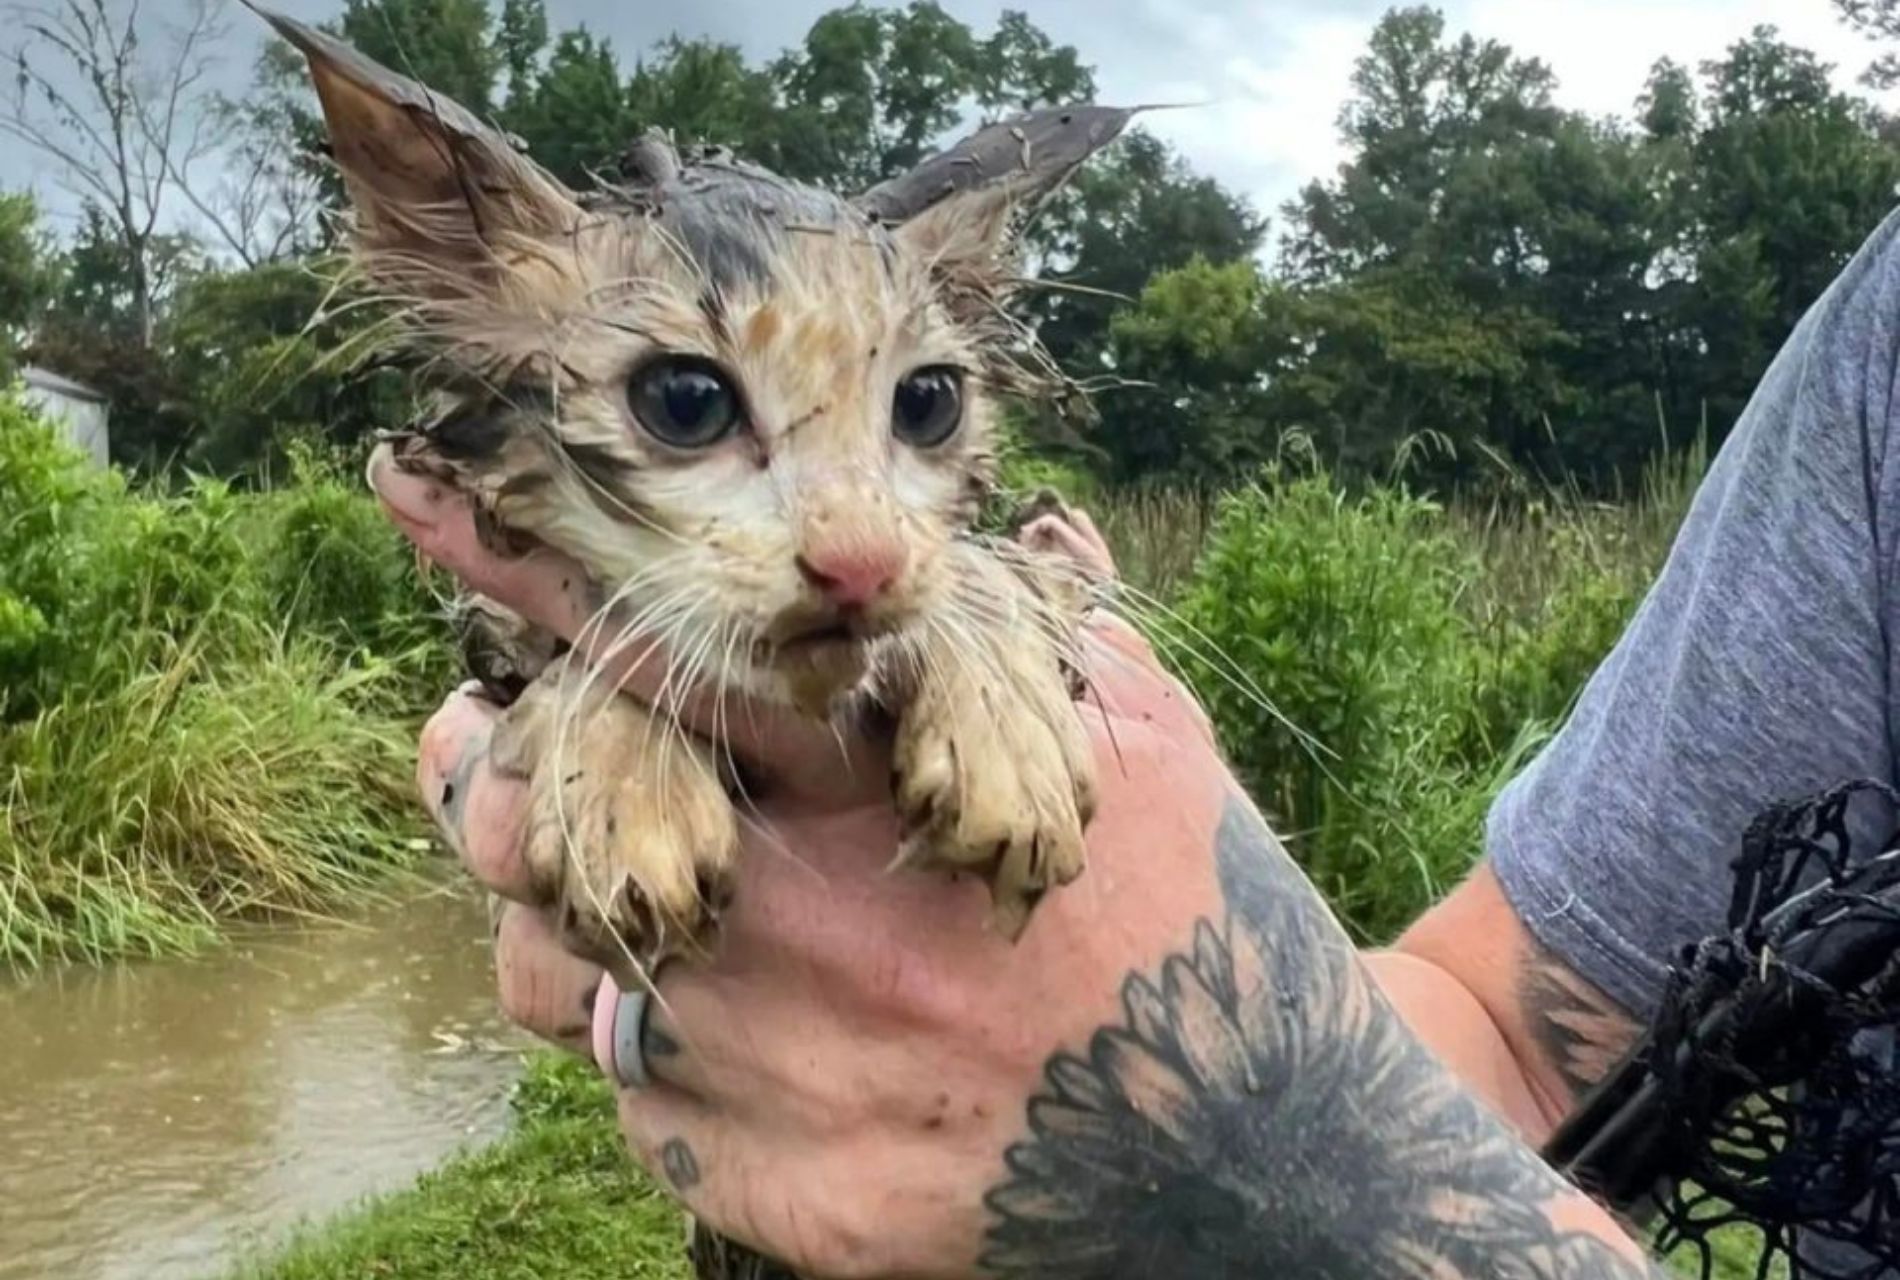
(758, 414)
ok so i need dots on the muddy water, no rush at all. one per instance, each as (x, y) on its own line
(157, 1120)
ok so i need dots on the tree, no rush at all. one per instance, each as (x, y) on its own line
(573, 114)
(1136, 211)
(25, 274)
(1791, 175)
(1478, 269)
(519, 41)
(1201, 346)
(124, 117)
(705, 92)
(267, 202)
(871, 91)
(93, 329)
(445, 44)
(1020, 68)
(1879, 21)
(261, 360)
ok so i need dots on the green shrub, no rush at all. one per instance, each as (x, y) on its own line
(207, 702)
(331, 567)
(1378, 664)
(1323, 634)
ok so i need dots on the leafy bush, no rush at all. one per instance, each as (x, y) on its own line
(207, 700)
(1378, 665)
(1323, 634)
(332, 568)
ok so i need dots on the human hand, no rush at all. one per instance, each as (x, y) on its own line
(1075, 536)
(838, 1085)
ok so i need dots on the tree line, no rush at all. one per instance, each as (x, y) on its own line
(1488, 272)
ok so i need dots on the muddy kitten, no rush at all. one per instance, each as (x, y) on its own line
(756, 412)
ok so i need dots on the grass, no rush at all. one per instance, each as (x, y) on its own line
(208, 701)
(558, 1197)
(143, 820)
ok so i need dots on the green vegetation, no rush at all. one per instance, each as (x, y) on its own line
(1378, 663)
(207, 702)
(557, 1197)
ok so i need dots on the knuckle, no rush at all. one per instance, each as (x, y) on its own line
(839, 1240)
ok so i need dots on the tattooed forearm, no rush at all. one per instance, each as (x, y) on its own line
(1259, 1111)
(1580, 1031)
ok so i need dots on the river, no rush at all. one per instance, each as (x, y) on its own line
(159, 1119)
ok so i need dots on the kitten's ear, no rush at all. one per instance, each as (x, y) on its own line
(428, 180)
(962, 205)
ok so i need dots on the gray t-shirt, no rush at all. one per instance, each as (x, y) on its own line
(1758, 669)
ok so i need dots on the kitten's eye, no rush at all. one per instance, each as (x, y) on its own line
(928, 406)
(684, 401)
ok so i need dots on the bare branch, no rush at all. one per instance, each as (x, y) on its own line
(120, 104)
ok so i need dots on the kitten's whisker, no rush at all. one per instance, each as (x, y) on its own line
(1155, 615)
(722, 735)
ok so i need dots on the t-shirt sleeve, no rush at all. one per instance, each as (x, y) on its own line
(1757, 669)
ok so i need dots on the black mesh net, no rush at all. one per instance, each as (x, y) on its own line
(1763, 1105)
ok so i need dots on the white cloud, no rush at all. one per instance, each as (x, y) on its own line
(1272, 125)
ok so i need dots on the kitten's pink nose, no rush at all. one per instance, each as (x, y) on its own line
(853, 575)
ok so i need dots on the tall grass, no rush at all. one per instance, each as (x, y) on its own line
(1379, 663)
(206, 702)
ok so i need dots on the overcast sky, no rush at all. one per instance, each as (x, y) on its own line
(1273, 72)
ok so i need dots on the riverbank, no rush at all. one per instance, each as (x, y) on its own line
(165, 1116)
(208, 703)
(558, 1196)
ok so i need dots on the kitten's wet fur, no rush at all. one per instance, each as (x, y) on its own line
(542, 319)
(816, 552)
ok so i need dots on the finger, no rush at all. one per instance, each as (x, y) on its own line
(543, 586)
(1055, 535)
(553, 591)
(677, 1140)
(670, 1031)
(543, 987)
(481, 812)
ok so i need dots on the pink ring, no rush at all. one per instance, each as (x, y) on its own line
(606, 1008)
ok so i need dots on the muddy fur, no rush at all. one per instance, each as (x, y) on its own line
(530, 310)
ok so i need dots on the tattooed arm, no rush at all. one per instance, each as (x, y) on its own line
(1260, 1109)
(1522, 1028)
(1182, 1070)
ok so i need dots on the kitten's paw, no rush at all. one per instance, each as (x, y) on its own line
(1001, 791)
(631, 835)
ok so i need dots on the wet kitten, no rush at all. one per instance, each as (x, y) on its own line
(757, 413)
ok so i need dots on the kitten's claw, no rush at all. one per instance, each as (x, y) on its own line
(634, 844)
(1005, 795)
